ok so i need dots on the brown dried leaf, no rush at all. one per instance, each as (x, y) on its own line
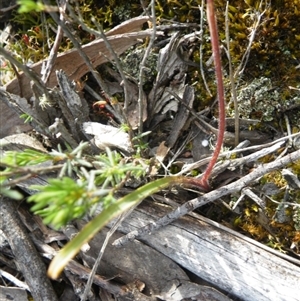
(120, 38)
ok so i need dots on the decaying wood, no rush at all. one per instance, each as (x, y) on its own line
(146, 273)
(164, 278)
(13, 294)
(120, 38)
(19, 142)
(41, 119)
(136, 259)
(242, 267)
(77, 269)
(28, 259)
(65, 103)
(10, 121)
(228, 260)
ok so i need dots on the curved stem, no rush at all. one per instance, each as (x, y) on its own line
(212, 22)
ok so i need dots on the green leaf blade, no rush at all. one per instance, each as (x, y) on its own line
(91, 229)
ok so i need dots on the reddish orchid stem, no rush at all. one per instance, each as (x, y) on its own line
(212, 22)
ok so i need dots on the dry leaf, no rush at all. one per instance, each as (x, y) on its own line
(108, 136)
(120, 38)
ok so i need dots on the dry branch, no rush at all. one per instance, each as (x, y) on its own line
(230, 261)
(209, 197)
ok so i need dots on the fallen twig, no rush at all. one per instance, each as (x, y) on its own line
(54, 49)
(204, 161)
(209, 197)
(29, 261)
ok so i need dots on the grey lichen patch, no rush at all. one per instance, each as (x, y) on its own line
(259, 98)
(123, 12)
(132, 61)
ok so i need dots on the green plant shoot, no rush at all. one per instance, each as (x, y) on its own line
(90, 230)
(27, 6)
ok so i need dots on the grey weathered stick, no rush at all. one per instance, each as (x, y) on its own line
(14, 280)
(249, 158)
(29, 261)
(54, 50)
(221, 166)
(204, 161)
(209, 197)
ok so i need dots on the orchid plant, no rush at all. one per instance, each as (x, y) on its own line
(130, 200)
(84, 191)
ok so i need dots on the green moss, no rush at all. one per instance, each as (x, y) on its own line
(273, 55)
(178, 10)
